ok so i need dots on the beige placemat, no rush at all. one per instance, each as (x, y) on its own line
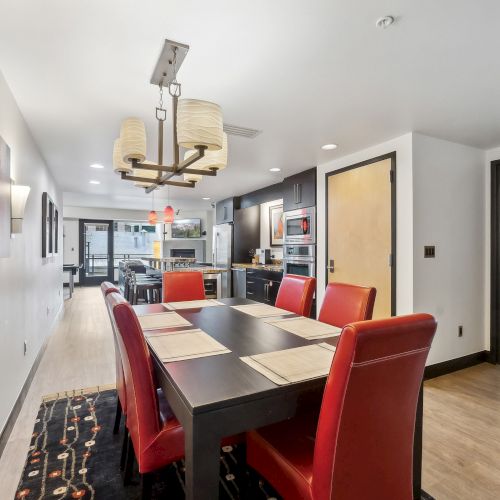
(261, 310)
(193, 304)
(188, 344)
(293, 365)
(306, 328)
(162, 320)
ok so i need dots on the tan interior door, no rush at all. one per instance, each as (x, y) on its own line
(359, 230)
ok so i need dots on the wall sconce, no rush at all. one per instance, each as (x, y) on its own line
(19, 196)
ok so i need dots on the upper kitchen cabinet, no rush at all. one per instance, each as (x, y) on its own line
(224, 210)
(299, 190)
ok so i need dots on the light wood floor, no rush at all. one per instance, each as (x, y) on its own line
(462, 434)
(461, 411)
(80, 354)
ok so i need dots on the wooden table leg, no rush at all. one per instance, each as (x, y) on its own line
(202, 449)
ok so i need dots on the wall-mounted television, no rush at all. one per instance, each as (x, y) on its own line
(186, 228)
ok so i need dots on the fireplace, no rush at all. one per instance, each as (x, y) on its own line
(188, 253)
(196, 246)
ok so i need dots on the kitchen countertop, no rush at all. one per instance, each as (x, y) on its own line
(264, 267)
(204, 270)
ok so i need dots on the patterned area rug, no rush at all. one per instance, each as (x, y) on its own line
(74, 454)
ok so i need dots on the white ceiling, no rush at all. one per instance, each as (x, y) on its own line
(305, 72)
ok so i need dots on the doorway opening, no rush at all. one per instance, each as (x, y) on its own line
(96, 251)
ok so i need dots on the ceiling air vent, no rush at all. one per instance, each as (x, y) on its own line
(249, 133)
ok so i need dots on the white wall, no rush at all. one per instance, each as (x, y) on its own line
(30, 287)
(71, 252)
(404, 215)
(448, 210)
(265, 230)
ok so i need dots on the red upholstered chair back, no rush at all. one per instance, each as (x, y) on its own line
(106, 289)
(296, 294)
(143, 419)
(364, 439)
(180, 286)
(344, 304)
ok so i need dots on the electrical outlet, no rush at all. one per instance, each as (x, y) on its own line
(25, 347)
(460, 331)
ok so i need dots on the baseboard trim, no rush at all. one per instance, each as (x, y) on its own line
(453, 365)
(11, 421)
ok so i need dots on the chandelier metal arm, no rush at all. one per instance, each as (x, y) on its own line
(179, 169)
(167, 168)
(189, 184)
(126, 177)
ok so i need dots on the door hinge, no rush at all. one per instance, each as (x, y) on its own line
(391, 176)
(390, 260)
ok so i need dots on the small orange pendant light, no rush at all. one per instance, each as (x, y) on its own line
(152, 217)
(168, 214)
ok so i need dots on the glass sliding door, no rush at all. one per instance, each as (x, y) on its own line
(96, 251)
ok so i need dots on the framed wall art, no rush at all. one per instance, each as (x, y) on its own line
(276, 225)
(50, 227)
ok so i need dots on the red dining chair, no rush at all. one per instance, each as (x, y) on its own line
(296, 294)
(121, 402)
(362, 445)
(344, 304)
(157, 438)
(180, 286)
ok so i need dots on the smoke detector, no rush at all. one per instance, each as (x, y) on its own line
(385, 22)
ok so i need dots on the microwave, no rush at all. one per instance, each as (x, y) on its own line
(299, 226)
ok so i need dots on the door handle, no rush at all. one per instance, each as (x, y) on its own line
(299, 193)
(295, 193)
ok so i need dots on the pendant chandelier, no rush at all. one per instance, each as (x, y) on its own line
(197, 128)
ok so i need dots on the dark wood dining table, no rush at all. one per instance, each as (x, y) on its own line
(218, 396)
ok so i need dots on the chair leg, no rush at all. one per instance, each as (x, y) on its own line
(129, 463)
(146, 486)
(123, 457)
(118, 416)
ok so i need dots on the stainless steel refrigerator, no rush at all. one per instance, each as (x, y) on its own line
(222, 254)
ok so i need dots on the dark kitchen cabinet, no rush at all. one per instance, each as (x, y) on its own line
(299, 190)
(263, 286)
(224, 210)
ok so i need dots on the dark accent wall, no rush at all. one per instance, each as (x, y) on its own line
(246, 232)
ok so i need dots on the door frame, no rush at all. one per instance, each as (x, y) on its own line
(96, 280)
(388, 156)
(494, 352)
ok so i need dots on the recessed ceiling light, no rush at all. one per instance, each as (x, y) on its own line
(206, 198)
(275, 169)
(94, 182)
(328, 147)
(96, 165)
